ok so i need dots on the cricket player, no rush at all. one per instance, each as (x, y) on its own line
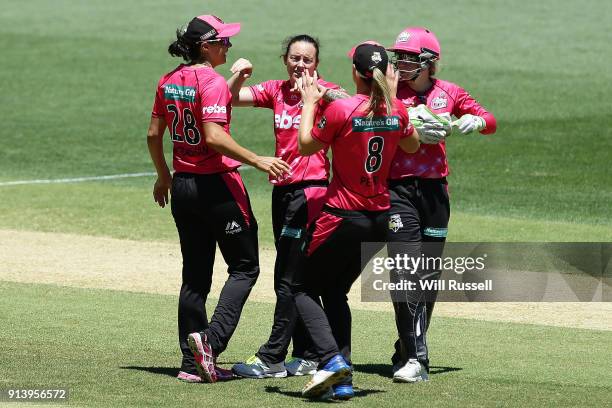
(364, 132)
(420, 208)
(296, 200)
(209, 202)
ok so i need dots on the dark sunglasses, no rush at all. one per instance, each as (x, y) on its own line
(224, 41)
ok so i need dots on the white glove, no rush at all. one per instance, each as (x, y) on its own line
(432, 128)
(431, 133)
(469, 123)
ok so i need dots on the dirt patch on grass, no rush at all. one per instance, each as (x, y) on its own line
(155, 267)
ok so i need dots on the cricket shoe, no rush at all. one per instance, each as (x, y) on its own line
(190, 378)
(334, 372)
(413, 371)
(255, 368)
(342, 391)
(222, 375)
(298, 366)
(204, 359)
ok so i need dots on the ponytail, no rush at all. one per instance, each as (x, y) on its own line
(181, 48)
(379, 94)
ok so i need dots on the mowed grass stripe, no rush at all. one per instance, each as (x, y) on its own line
(125, 209)
(88, 106)
(115, 348)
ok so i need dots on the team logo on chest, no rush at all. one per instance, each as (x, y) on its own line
(439, 102)
(286, 121)
(395, 222)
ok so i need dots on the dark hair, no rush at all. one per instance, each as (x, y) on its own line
(289, 41)
(183, 48)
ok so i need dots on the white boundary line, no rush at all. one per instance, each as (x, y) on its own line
(76, 179)
(82, 179)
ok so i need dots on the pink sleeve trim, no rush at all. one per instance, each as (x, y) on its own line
(491, 124)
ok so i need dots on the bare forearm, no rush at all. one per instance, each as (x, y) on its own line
(306, 144)
(306, 123)
(411, 143)
(156, 151)
(224, 144)
(234, 83)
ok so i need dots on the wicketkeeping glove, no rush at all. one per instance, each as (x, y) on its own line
(469, 123)
(431, 133)
(432, 128)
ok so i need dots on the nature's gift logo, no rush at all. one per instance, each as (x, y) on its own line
(376, 124)
(179, 93)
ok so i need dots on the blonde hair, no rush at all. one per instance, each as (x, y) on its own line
(379, 94)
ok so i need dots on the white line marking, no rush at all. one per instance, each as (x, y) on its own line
(81, 179)
(76, 179)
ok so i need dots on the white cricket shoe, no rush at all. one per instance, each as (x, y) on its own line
(413, 371)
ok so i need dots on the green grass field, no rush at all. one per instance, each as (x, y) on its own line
(118, 349)
(79, 81)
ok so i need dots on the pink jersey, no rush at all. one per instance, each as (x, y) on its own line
(362, 152)
(430, 160)
(287, 108)
(185, 98)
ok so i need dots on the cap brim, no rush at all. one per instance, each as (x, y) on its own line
(400, 48)
(352, 51)
(229, 30)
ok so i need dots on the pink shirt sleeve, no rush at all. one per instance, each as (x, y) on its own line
(263, 94)
(464, 104)
(326, 128)
(159, 107)
(215, 97)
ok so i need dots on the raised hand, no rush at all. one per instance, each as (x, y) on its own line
(392, 77)
(309, 88)
(242, 66)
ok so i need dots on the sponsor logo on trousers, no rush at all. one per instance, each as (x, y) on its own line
(232, 227)
(395, 222)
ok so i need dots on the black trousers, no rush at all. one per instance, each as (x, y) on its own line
(209, 210)
(420, 212)
(332, 262)
(293, 207)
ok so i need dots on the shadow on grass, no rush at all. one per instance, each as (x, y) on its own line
(359, 392)
(169, 371)
(384, 370)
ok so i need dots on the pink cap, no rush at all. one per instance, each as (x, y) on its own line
(223, 29)
(416, 40)
(351, 53)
